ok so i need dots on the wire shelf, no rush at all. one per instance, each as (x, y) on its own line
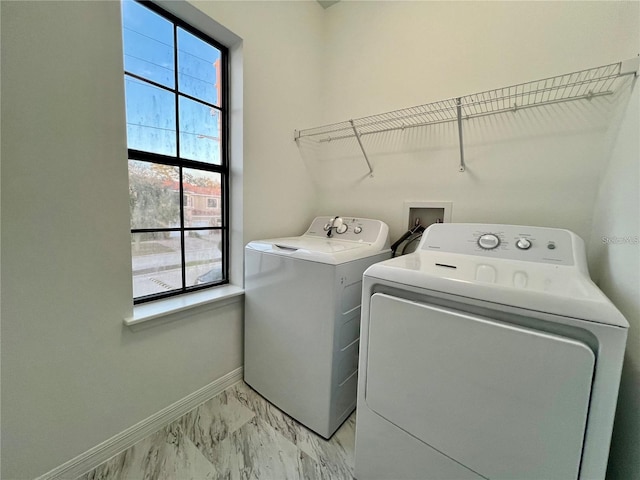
(584, 84)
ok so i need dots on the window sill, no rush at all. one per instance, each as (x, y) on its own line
(162, 311)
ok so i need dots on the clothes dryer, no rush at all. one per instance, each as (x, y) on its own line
(487, 353)
(302, 317)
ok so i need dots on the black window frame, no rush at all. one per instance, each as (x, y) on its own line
(181, 163)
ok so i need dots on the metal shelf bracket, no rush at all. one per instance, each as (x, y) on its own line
(357, 134)
(459, 113)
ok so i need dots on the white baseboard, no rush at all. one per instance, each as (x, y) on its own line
(99, 454)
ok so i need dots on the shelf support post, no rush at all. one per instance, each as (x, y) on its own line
(459, 110)
(357, 134)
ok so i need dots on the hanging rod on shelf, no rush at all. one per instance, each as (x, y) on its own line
(583, 84)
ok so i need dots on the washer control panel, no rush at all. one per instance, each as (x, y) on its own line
(362, 230)
(536, 244)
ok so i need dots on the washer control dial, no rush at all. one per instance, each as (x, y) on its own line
(341, 228)
(488, 241)
(357, 230)
(523, 243)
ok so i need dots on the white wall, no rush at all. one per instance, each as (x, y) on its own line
(282, 76)
(615, 260)
(72, 374)
(539, 166)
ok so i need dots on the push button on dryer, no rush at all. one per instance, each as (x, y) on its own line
(486, 273)
(520, 279)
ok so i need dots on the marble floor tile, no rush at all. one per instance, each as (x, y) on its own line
(165, 455)
(284, 424)
(257, 451)
(335, 456)
(236, 435)
(215, 420)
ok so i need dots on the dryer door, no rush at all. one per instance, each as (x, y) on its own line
(505, 401)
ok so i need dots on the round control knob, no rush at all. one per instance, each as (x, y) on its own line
(341, 228)
(488, 241)
(357, 230)
(523, 244)
(327, 226)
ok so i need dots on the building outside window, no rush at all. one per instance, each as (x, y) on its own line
(176, 106)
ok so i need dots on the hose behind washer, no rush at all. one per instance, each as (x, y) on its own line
(409, 236)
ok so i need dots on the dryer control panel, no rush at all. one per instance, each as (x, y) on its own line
(513, 242)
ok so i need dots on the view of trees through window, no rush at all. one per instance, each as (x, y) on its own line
(176, 114)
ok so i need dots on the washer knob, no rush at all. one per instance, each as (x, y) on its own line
(523, 244)
(357, 230)
(488, 241)
(341, 228)
(327, 226)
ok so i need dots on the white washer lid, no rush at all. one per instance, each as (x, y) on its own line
(315, 249)
(555, 289)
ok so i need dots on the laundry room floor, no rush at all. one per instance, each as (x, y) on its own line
(235, 435)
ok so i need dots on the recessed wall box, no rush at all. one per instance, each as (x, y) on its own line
(427, 213)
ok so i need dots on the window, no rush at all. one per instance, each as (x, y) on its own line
(176, 105)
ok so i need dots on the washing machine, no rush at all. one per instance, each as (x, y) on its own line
(488, 353)
(302, 317)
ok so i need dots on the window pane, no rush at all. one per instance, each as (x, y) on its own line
(151, 118)
(173, 88)
(199, 132)
(203, 250)
(199, 68)
(148, 44)
(157, 262)
(202, 202)
(154, 195)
